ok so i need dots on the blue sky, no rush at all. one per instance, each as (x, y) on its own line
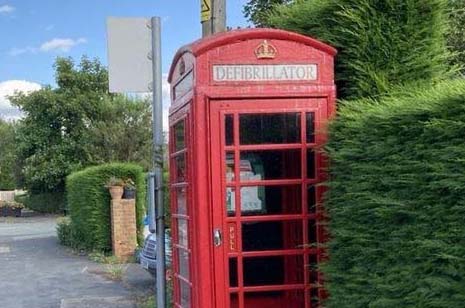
(33, 33)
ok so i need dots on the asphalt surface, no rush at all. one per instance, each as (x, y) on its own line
(36, 272)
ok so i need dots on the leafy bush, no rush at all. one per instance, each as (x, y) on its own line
(11, 204)
(456, 35)
(68, 235)
(89, 202)
(8, 161)
(382, 43)
(397, 200)
(44, 202)
(64, 232)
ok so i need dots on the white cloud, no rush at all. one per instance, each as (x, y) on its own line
(61, 44)
(19, 51)
(6, 9)
(56, 44)
(10, 87)
(50, 27)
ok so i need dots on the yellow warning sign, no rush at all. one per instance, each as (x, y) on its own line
(206, 10)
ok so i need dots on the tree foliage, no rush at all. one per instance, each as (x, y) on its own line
(397, 200)
(456, 34)
(7, 156)
(77, 124)
(381, 44)
(257, 11)
(123, 133)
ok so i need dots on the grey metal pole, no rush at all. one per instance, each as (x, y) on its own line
(157, 116)
(151, 201)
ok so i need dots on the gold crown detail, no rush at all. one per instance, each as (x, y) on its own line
(265, 51)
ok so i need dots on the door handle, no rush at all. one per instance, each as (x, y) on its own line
(217, 240)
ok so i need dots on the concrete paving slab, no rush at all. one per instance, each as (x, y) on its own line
(35, 271)
(98, 302)
(4, 249)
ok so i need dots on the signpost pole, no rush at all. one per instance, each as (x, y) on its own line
(157, 117)
(213, 16)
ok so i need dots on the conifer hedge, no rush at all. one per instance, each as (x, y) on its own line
(89, 203)
(381, 43)
(397, 200)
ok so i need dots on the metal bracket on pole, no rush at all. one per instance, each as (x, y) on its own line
(157, 118)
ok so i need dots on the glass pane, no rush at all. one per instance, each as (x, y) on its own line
(182, 233)
(288, 299)
(269, 128)
(229, 129)
(311, 199)
(274, 270)
(312, 233)
(230, 166)
(268, 165)
(183, 257)
(230, 201)
(233, 272)
(272, 235)
(311, 164)
(180, 165)
(310, 127)
(179, 136)
(182, 202)
(314, 297)
(312, 269)
(234, 300)
(271, 200)
(185, 292)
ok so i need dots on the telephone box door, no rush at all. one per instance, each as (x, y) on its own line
(266, 166)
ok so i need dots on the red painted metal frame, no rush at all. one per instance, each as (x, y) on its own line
(218, 112)
(183, 116)
(203, 107)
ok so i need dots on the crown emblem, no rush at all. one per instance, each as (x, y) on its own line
(265, 51)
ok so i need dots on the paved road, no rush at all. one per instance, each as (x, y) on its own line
(35, 272)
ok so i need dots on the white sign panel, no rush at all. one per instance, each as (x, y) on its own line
(272, 72)
(129, 48)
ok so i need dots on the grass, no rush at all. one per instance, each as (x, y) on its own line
(147, 302)
(114, 267)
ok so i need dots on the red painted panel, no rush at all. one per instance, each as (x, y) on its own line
(204, 102)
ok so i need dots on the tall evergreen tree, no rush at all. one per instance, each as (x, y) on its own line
(381, 43)
(257, 11)
(456, 34)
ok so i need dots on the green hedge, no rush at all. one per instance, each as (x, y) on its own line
(381, 43)
(397, 200)
(51, 203)
(89, 202)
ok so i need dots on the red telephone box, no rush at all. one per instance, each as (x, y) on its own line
(247, 121)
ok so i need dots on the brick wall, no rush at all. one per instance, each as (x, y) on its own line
(123, 227)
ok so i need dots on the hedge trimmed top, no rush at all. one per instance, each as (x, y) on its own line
(397, 200)
(382, 43)
(89, 203)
